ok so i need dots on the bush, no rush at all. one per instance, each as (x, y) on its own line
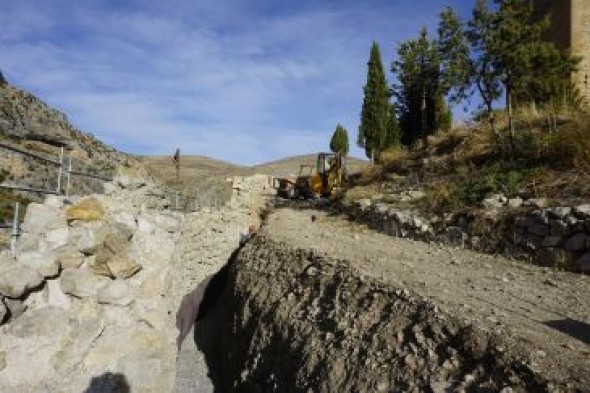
(570, 146)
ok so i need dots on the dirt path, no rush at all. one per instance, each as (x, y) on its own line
(546, 311)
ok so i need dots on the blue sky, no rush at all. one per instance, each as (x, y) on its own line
(246, 81)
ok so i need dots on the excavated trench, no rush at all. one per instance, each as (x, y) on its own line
(280, 319)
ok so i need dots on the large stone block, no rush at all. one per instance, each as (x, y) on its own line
(81, 283)
(18, 281)
(45, 262)
(88, 209)
(42, 218)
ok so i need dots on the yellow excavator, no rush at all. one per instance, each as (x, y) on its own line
(329, 174)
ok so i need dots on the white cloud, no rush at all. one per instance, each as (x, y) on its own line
(225, 80)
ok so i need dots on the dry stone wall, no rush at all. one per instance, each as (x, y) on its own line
(524, 229)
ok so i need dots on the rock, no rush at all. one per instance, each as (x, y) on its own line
(123, 267)
(495, 201)
(117, 241)
(559, 212)
(69, 258)
(55, 295)
(54, 201)
(515, 203)
(45, 262)
(551, 241)
(539, 203)
(99, 263)
(42, 218)
(15, 307)
(127, 219)
(57, 237)
(583, 210)
(132, 177)
(455, 235)
(43, 322)
(81, 283)
(558, 227)
(3, 311)
(364, 203)
(577, 242)
(88, 209)
(88, 239)
(583, 263)
(117, 293)
(18, 281)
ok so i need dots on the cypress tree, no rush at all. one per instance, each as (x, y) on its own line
(339, 141)
(375, 110)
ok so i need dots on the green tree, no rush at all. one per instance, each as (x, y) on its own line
(375, 110)
(339, 141)
(467, 57)
(501, 52)
(418, 92)
(393, 136)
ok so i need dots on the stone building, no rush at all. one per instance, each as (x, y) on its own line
(570, 29)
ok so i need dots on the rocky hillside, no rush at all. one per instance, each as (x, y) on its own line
(29, 123)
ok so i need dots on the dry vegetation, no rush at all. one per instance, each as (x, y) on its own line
(550, 158)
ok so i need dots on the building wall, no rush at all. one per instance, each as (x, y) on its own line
(581, 42)
(570, 30)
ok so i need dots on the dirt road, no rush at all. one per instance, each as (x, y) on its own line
(547, 312)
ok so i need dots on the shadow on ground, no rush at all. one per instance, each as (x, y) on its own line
(571, 327)
(108, 383)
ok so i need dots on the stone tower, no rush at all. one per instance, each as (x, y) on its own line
(570, 29)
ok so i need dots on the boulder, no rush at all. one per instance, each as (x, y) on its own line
(43, 322)
(515, 203)
(55, 295)
(16, 307)
(577, 242)
(81, 283)
(45, 262)
(583, 211)
(88, 209)
(539, 203)
(551, 241)
(99, 263)
(118, 240)
(583, 263)
(495, 201)
(42, 218)
(125, 218)
(88, 239)
(559, 212)
(123, 267)
(18, 281)
(54, 201)
(57, 237)
(70, 258)
(117, 293)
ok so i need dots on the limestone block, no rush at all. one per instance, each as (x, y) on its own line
(45, 262)
(57, 237)
(18, 281)
(87, 239)
(122, 266)
(81, 283)
(42, 218)
(69, 257)
(118, 293)
(87, 209)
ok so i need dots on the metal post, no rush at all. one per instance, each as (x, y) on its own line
(69, 174)
(15, 229)
(196, 205)
(61, 164)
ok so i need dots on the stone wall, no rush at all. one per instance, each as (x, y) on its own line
(528, 230)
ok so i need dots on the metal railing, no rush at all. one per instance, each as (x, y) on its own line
(62, 170)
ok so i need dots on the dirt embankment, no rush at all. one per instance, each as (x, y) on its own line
(322, 306)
